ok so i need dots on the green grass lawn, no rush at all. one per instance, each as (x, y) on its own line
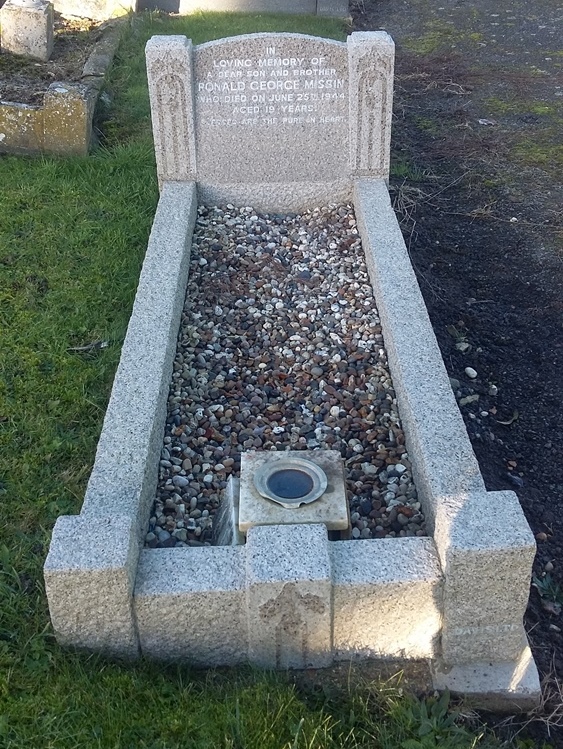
(73, 233)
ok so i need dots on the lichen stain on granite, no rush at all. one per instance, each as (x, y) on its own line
(62, 125)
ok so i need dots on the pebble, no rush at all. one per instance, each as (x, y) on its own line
(471, 373)
(280, 348)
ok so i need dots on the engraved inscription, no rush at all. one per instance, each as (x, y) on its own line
(271, 89)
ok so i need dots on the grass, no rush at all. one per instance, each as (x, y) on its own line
(72, 237)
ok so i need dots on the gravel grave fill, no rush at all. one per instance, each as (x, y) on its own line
(280, 348)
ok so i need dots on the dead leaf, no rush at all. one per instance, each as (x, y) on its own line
(89, 347)
(552, 607)
(468, 399)
(510, 421)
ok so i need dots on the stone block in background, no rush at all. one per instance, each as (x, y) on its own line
(27, 28)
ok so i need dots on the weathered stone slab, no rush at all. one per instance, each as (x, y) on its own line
(336, 8)
(289, 596)
(331, 508)
(63, 124)
(97, 10)
(26, 28)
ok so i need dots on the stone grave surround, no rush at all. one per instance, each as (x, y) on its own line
(281, 122)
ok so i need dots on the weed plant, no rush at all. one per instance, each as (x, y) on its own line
(73, 232)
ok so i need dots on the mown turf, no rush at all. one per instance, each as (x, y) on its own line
(73, 233)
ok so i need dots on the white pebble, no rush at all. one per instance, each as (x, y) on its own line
(470, 372)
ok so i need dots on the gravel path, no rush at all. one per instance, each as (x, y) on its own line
(280, 348)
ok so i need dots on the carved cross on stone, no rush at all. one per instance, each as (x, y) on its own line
(290, 613)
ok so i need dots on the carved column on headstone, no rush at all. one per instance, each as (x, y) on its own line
(371, 57)
(169, 70)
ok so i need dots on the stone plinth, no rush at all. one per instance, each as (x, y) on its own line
(27, 28)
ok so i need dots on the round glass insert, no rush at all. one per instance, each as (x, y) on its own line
(290, 483)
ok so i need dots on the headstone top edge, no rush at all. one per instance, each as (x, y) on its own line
(379, 37)
(282, 35)
(167, 41)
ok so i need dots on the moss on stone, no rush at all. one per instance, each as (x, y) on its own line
(440, 35)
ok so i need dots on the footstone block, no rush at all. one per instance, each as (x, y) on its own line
(67, 118)
(189, 605)
(387, 598)
(289, 596)
(89, 576)
(98, 10)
